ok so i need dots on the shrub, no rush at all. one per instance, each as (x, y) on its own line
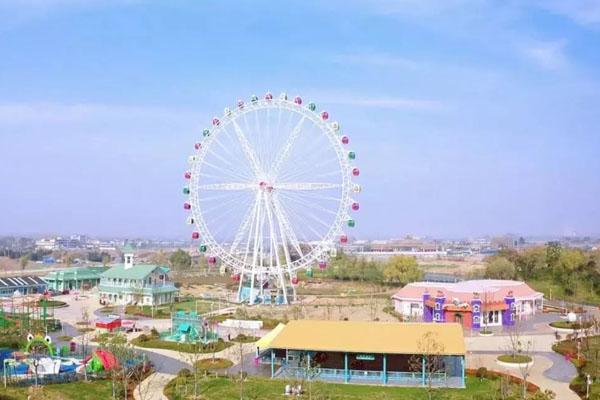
(481, 372)
(154, 333)
(184, 373)
(143, 337)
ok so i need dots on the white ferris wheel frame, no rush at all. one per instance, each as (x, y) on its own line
(275, 214)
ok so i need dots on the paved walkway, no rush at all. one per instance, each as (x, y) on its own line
(549, 370)
(168, 363)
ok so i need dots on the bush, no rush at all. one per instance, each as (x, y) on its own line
(481, 372)
(143, 337)
(154, 333)
(184, 373)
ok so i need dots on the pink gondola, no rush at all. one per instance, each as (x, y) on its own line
(195, 235)
(216, 121)
(298, 100)
(355, 206)
(343, 239)
(187, 175)
(187, 206)
(197, 146)
(294, 280)
(322, 265)
(269, 96)
(324, 115)
(345, 140)
(355, 171)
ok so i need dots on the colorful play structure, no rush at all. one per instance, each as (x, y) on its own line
(190, 328)
(39, 361)
(100, 360)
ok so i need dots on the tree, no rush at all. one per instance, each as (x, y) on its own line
(160, 258)
(106, 259)
(530, 262)
(430, 361)
(553, 250)
(500, 268)
(23, 261)
(401, 270)
(521, 346)
(180, 260)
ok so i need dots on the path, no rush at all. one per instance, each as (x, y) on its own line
(168, 363)
(549, 371)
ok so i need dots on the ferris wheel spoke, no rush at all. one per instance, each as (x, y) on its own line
(227, 186)
(223, 171)
(284, 153)
(245, 223)
(285, 223)
(247, 149)
(307, 186)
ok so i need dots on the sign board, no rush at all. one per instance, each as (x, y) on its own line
(366, 357)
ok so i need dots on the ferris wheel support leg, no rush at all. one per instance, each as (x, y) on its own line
(276, 249)
(255, 254)
(288, 259)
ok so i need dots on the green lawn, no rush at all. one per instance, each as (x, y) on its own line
(163, 312)
(514, 358)
(562, 324)
(263, 388)
(556, 291)
(64, 391)
(211, 365)
(156, 343)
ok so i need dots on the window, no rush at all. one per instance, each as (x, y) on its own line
(438, 306)
(476, 308)
(436, 316)
(476, 319)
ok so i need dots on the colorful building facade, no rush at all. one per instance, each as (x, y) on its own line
(136, 284)
(473, 304)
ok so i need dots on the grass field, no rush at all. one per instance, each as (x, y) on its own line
(514, 358)
(556, 291)
(263, 388)
(156, 343)
(201, 306)
(67, 391)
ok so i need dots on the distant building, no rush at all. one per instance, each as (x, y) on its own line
(23, 284)
(473, 304)
(74, 278)
(142, 284)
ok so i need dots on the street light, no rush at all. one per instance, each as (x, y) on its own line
(588, 382)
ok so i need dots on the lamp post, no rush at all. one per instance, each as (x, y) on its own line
(588, 382)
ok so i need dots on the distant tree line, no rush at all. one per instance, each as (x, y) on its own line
(571, 268)
(396, 270)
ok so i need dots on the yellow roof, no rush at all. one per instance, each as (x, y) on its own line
(368, 337)
(265, 341)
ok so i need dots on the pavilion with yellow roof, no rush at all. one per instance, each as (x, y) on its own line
(393, 353)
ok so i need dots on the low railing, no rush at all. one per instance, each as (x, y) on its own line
(407, 378)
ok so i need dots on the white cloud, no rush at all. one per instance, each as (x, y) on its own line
(548, 55)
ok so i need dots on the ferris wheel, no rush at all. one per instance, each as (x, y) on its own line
(270, 192)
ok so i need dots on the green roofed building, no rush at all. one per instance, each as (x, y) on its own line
(74, 278)
(141, 284)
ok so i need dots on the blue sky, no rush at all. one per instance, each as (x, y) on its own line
(469, 117)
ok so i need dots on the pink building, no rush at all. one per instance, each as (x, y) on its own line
(474, 304)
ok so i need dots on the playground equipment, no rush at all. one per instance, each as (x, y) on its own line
(190, 328)
(27, 313)
(37, 363)
(100, 360)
